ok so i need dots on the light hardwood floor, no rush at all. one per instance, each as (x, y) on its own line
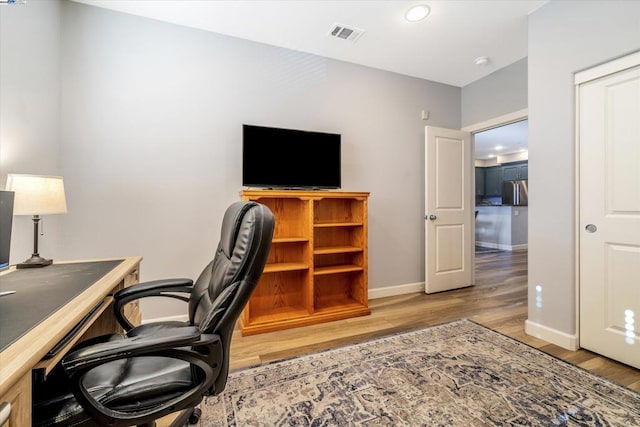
(498, 300)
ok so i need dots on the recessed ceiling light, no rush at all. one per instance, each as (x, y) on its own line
(499, 147)
(482, 60)
(417, 13)
(490, 156)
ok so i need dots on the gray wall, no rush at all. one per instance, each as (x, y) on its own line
(151, 139)
(564, 37)
(30, 110)
(150, 143)
(501, 92)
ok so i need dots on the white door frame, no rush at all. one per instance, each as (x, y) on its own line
(506, 119)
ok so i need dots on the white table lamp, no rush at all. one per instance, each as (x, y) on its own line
(36, 195)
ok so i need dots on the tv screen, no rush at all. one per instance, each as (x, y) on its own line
(290, 158)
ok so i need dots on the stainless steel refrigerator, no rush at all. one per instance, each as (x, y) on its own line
(515, 193)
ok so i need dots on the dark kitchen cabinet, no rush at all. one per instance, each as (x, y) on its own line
(493, 181)
(515, 171)
(480, 181)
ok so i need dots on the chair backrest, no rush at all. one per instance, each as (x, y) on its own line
(225, 285)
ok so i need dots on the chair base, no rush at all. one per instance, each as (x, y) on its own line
(187, 417)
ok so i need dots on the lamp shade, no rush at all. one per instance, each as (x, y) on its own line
(37, 194)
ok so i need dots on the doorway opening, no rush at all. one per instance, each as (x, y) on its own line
(496, 122)
(501, 187)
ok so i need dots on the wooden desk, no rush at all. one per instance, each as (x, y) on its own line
(26, 353)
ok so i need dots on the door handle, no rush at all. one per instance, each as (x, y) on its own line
(433, 217)
(591, 228)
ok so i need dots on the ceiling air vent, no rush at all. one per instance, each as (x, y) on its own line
(346, 33)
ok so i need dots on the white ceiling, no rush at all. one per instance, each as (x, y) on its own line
(501, 141)
(441, 48)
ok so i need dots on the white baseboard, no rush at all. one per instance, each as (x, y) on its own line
(390, 291)
(562, 339)
(559, 338)
(501, 247)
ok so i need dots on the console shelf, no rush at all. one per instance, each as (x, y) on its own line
(284, 266)
(317, 267)
(338, 224)
(319, 271)
(336, 250)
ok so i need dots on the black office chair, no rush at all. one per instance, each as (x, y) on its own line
(157, 369)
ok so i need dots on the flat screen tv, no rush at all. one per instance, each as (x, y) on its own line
(289, 158)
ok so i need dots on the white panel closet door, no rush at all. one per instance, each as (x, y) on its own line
(609, 210)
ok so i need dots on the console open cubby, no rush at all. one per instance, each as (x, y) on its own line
(339, 292)
(317, 266)
(279, 295)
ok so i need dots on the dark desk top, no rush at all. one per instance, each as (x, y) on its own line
(41, 292)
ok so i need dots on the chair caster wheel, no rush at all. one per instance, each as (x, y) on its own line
(194, 418)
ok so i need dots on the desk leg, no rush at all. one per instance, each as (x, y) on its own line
(19, 396)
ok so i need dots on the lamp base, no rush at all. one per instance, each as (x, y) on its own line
(35, 262)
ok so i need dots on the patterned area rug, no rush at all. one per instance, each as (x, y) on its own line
(455, 374)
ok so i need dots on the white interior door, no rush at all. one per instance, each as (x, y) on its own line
(449, 209)
(609, 211)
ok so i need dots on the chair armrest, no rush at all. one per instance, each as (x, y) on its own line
(176, 343)
(154, 287)
(170, 288)
(109, 351)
